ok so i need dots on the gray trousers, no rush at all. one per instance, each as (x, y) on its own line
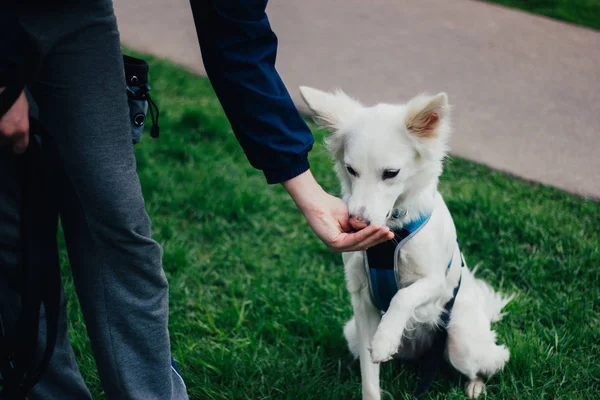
(79, 88)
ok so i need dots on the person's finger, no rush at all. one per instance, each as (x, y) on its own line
(380, 236)
(356, 224)
(345, 224)
(384, 237)
(21, 145)
(347, 240)
(368, 236)
(21, 140)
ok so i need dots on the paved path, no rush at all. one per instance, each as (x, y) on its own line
(525, 89)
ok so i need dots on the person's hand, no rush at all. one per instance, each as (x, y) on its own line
(328, 217)
(14, 125)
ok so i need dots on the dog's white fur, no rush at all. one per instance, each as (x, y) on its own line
(412, 138)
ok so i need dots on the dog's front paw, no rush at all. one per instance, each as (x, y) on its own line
(384, 346)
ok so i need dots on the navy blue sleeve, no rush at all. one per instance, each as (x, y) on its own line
(239, 50)
(11, 48)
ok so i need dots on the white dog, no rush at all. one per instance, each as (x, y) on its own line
(388, 159)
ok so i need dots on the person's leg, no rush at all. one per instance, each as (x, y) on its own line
(123, 294)
(62, 379)
(117, 270)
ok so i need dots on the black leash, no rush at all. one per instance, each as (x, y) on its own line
(21, 362)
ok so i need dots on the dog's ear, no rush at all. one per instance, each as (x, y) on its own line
(426, 116)
(330, 109)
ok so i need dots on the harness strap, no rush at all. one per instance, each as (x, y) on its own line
(380, 262)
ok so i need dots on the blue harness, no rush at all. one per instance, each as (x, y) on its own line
(381, 263)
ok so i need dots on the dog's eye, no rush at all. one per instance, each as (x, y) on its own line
(351, 170)
(390, 173)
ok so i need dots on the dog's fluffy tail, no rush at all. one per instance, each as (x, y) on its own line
(494, 301)
(351, 335)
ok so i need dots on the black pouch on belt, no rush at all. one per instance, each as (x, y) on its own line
(138, 97)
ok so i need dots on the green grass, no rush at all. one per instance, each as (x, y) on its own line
(580, 12)
(258, 303)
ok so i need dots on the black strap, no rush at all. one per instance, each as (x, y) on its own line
(21, 365)
(155, 131)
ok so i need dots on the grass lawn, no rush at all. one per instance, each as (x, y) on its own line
(258, 303)
(580, 12)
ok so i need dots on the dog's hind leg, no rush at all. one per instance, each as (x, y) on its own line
(366, 319)
(472, 347)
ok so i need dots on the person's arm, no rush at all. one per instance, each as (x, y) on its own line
(14, 110)
(239, 50)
